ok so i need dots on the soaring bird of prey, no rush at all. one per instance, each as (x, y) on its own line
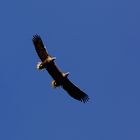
(60, 79)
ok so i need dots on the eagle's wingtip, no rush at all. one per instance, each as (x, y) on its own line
(85, 99)
(36, 37)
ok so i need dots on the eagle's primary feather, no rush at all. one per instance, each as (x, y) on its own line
(60, 79)
(39, 47)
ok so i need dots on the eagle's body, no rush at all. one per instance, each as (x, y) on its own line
(60, 78)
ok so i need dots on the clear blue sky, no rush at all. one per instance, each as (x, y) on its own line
(98, 42)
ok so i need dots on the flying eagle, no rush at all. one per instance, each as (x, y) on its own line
(60, 78)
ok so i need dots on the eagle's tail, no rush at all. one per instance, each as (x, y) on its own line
(38, 66)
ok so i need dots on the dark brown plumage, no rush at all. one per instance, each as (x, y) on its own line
(60, 78)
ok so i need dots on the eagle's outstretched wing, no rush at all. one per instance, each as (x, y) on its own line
(74, 91)
(55, 72)
(39, 47)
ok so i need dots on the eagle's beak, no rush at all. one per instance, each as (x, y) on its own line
(66, 74)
